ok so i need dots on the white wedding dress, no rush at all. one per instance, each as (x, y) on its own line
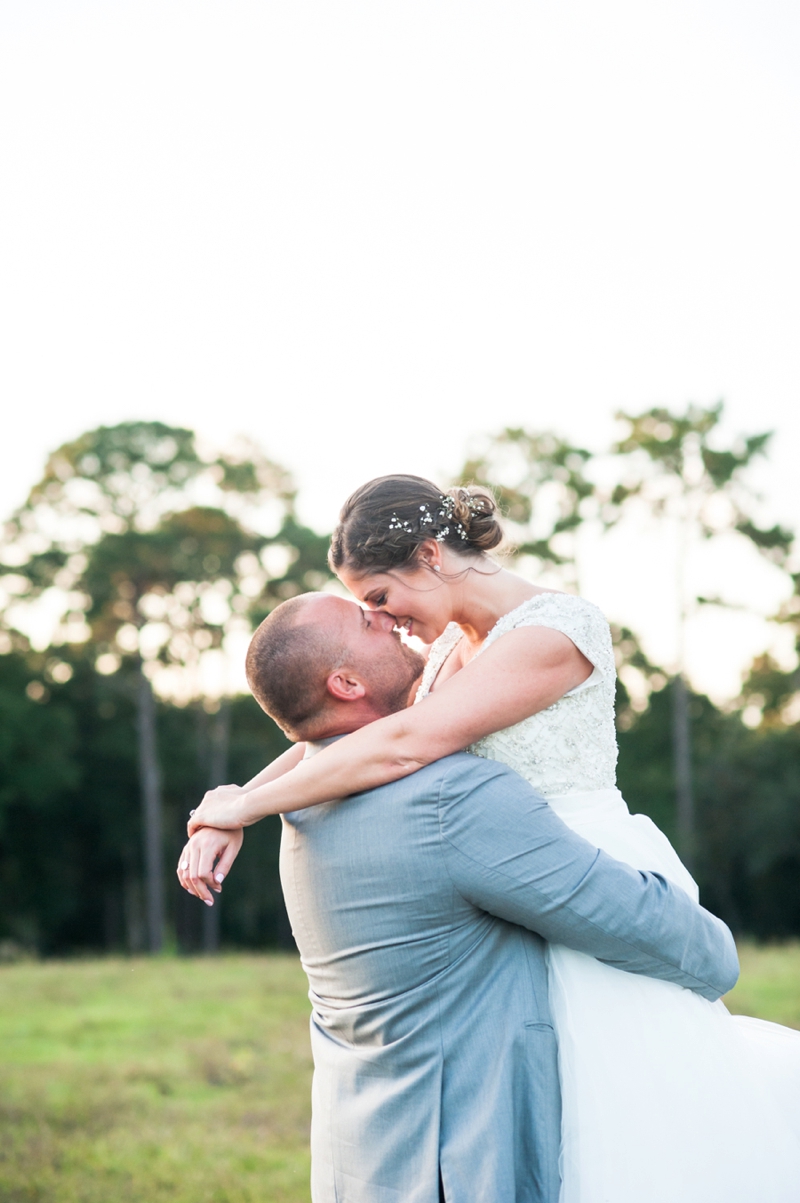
(667, 1098)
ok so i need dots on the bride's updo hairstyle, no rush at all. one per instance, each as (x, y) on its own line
(383, 524)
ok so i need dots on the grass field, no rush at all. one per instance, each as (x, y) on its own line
(180, 1080)
(187, 1081)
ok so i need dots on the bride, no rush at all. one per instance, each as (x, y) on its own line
(666, 1098)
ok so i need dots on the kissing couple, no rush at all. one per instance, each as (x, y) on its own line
(515, 993)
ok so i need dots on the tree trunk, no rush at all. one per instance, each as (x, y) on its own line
(217, 775)
(150, 784)
(682, 767)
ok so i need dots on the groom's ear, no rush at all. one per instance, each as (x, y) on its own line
(345, 686)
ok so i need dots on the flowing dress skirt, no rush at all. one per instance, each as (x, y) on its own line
(667, 1097)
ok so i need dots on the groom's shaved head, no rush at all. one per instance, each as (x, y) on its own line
(289, 660)
(320, 665)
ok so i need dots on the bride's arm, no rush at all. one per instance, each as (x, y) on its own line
(276, 768)
(525, 671)
(209, 855)
(282, 764)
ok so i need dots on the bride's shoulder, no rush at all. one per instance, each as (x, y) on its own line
(547, 604)
(582, 621)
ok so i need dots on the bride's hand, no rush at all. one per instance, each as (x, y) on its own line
(221, 807)
(206, 861)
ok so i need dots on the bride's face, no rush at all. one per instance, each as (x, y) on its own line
(417, 598)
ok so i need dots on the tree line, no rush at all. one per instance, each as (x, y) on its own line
(140, 563)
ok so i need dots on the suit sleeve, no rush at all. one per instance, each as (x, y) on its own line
(508, 853)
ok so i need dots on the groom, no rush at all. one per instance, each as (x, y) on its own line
(421, 911)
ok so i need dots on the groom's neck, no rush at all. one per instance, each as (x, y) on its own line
(345, 723)
(352, 716)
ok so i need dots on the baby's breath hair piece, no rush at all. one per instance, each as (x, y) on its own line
(383, 524)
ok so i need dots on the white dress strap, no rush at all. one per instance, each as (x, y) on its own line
(578, 619)
(440, 650)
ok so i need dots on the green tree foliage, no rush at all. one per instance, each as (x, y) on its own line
(159, 554)
(128, 476)
(152, 577)
(669, 462)
(747, 787)
(771, 691)
(742, 814)
(540, 482)
(70, 838)
(670, 465)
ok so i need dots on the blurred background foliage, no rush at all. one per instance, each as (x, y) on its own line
(154, 560)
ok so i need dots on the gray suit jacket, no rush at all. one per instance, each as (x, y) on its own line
(420, 910)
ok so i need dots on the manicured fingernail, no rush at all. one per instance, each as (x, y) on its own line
(208, 901)
(220, 877)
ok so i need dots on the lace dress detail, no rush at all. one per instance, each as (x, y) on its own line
(439, 651)
(571, 746)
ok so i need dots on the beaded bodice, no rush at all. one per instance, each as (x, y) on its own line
(571, 746)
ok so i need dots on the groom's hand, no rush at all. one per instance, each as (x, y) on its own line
(207, 859)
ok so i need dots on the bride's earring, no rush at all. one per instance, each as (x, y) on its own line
(437, 567)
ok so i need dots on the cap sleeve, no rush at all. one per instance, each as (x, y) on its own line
(574, 617)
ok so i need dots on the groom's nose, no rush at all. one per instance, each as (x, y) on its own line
(385, 621)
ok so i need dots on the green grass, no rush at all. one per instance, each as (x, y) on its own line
(179, 1080)
(769, 987)
(188, 1081)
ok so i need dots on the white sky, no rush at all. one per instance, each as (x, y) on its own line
(365, 233)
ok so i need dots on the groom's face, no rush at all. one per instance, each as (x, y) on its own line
(375, 651)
